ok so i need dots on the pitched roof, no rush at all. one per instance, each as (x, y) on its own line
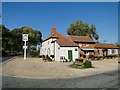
(62, 40)
(105, 45)
(54, 35)
(80, 38)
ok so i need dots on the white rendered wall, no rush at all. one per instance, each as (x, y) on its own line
(57, 52)
(63, 51)
(47, 47)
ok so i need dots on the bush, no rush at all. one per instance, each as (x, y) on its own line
(34, 53)
(103, 57)
(82, 65)
(92, 57)
(87, 64)
(3, 53)
(79, 64)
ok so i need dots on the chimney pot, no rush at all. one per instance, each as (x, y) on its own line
(87, 35)
(53, 29)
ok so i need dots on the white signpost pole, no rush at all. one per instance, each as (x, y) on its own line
(25, 38)
(25, 51)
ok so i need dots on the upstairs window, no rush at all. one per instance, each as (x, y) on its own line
(75, 49)
(86, 45)
(52, 41)
(80, 44)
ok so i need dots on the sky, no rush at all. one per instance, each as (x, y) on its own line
(42, 16)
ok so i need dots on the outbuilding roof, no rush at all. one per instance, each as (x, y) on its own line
(80, 38)
(105, 45)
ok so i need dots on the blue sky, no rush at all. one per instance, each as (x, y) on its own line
(41, 16)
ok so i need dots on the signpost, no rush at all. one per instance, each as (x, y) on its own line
(25, 38)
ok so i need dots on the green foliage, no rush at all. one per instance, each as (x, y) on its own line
(87, 64)
(92, 57)
(77, 67)
(12, 40)
(5, 38)
(82, 65)
(79, 64)
(34, 53)
(82, 29)
(117, 44)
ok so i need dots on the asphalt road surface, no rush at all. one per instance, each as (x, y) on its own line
(105, 80)
(7, 58)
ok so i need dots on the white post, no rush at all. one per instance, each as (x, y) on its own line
(25, 39)
(25, 51)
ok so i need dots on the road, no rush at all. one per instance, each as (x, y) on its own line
(7, 58)
(105, 80)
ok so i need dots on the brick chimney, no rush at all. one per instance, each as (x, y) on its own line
(53, 29)
(87, 35)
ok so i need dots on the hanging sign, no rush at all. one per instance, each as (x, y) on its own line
(25, 37)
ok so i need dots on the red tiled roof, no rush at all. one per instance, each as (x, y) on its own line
(80, 38)
(62, 40)
(89, 47)
(105, 45)
(54, 35)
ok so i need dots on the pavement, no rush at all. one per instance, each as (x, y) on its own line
(101, 81)
(37, 68)
(106, 78)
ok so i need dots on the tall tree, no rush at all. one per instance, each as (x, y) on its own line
(12, 40)
(117, 44)
(82, 29)
(34, 37)
(5, 38)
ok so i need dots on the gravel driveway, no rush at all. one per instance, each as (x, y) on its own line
(37, 68)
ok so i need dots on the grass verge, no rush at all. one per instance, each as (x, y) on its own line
(79, 67)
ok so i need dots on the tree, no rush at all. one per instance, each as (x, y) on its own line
(5, 38)
(34, 37)
(12, 40)
(117, 44)
(82, 29)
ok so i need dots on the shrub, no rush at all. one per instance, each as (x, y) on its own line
(103, 57)
(87, 64)
(34, 53)
(92, 57)
(98, 57)
(79, 64)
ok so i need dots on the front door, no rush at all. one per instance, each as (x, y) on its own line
(70, 55)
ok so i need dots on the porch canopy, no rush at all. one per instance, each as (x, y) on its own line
(87, 49)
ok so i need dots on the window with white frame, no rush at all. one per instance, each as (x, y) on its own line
(86, 44)
(80, 44)
(109, 51)
(115, 51)
(86, 53)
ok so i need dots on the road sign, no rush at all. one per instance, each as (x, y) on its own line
(25, 37)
